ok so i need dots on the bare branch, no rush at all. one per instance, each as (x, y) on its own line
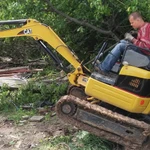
(82, 23)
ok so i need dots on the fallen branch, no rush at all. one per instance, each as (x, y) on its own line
(18, 70)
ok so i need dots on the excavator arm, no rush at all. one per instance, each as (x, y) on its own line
(41, 32)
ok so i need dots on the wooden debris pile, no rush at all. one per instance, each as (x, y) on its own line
(14, 77)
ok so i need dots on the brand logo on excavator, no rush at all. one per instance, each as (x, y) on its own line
(25, 31)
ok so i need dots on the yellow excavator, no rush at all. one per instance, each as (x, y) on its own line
(116, 107)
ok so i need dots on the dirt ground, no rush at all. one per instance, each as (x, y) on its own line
(29, 135)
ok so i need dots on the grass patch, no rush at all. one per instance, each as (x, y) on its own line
(16, 115)
(79, 141)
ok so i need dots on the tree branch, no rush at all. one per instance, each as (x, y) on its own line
(82, 23)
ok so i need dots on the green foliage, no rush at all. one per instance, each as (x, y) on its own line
(5, 99)
(32, 93)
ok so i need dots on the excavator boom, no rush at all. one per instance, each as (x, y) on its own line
(39, 31)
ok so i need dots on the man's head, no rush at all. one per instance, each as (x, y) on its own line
(136, 20)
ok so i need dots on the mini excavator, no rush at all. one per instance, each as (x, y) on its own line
(116, 107)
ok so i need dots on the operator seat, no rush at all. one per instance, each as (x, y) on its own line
(135, 58)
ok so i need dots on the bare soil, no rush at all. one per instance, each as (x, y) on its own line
(29, 135)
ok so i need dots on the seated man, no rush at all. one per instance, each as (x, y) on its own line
(142, 40)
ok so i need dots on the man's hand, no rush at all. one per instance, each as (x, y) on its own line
(128, 36)
(133, 32)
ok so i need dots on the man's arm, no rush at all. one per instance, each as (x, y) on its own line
(143, 42)
(143, 39)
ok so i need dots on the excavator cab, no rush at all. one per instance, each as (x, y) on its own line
(128, 86)
(130, 57)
